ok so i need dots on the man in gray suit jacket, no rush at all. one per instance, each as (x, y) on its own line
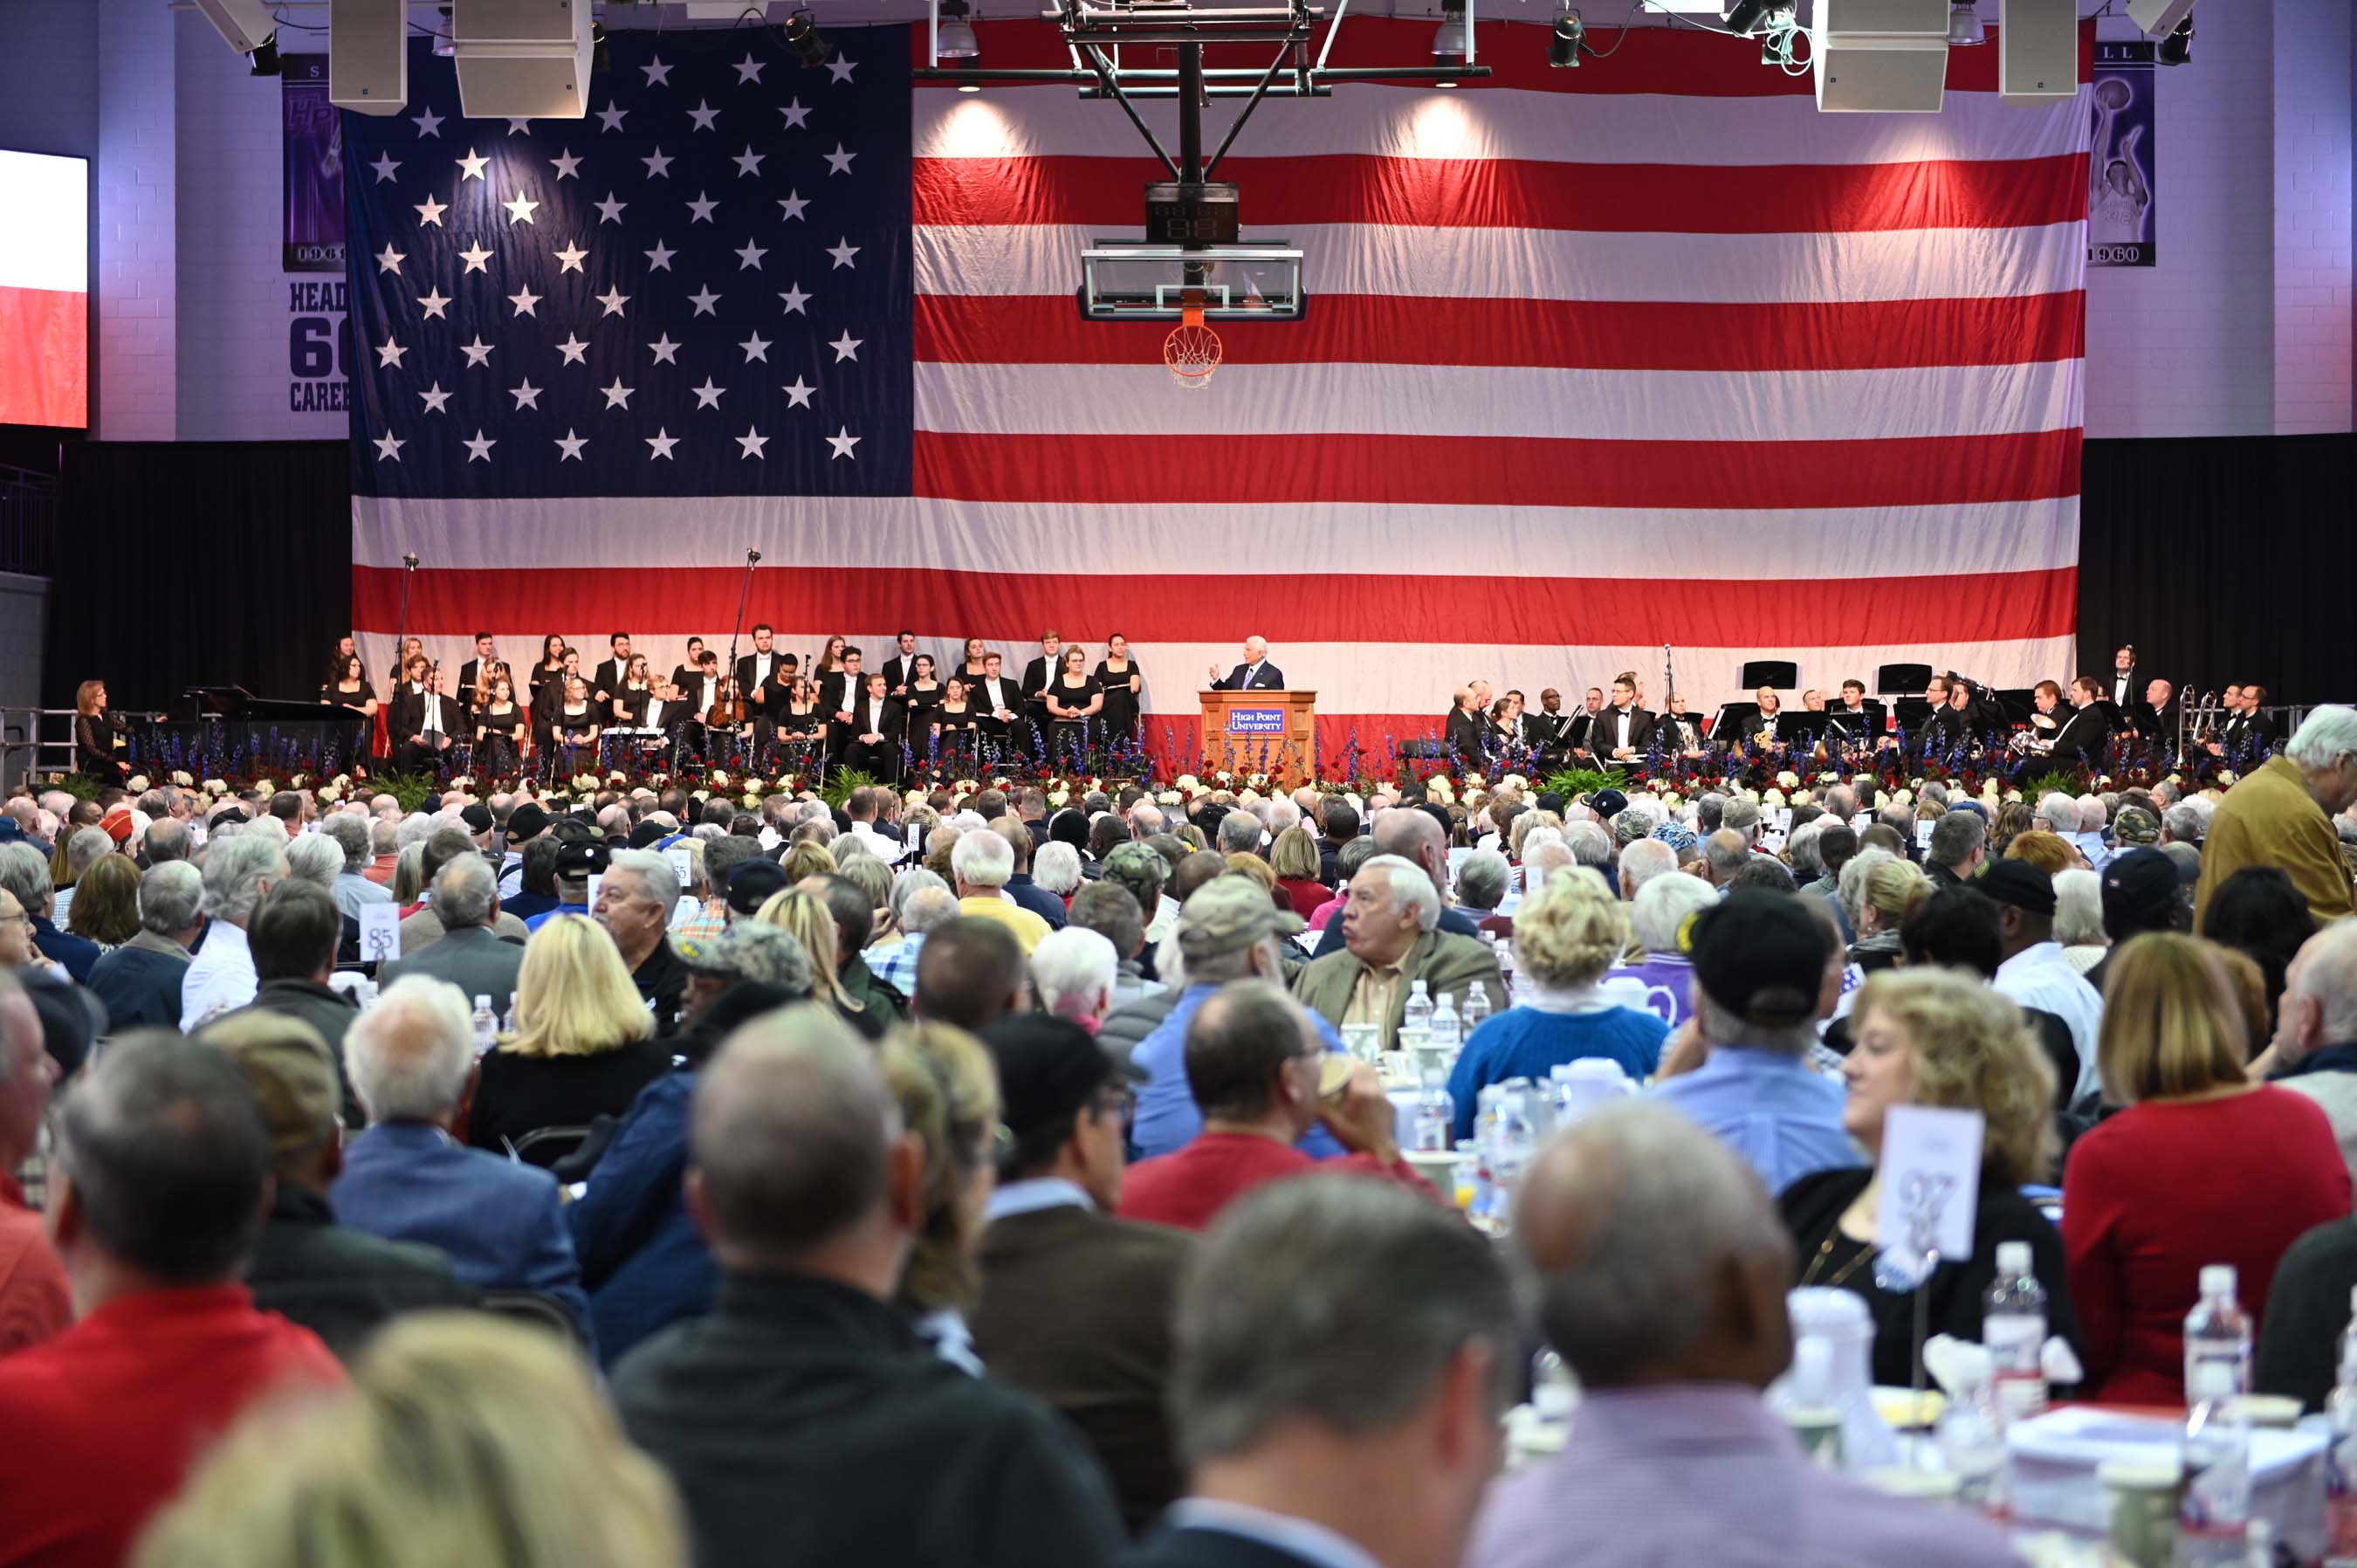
(469, 954)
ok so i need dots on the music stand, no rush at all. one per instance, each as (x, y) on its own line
(1781, 673)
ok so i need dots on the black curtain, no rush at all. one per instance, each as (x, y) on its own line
(2222, 559)
(199, 563)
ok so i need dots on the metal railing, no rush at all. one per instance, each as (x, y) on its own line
(35, 743)
(28, 522)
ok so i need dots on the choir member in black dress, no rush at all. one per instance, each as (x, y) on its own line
(550, 666)
(410, 647)
(577, 729)
(97, 737)
(801, 724)
(921, 692)
(548, 695)
(345, 648)
(683, 677)
(1073, 699)
(1124, 686)
(630, 698)
(970, 667)
(955, 728)
(830, 659)
(349, 688)
(499, 727)
(870, 741)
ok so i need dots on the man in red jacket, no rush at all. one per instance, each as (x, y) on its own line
(1254, 1062)
(157, 1188)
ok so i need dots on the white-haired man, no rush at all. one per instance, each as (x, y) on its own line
(1392, 940)
(411, 1058)
(2315, 1047)
(982, 861)
(237, 872)
(2281, 814)
(1676, 1457)
(1255, 674)
(634, 903)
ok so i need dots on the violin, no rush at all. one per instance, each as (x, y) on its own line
(729, 708)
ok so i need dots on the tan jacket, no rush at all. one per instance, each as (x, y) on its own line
(1447, 964)
(2268, 818)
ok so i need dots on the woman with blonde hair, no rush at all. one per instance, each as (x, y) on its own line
(409, 874)
(106, 901)
(948, 1091)
(582, 1045)
(809, 858)
(2202, 1166)
(1565, 936)
(1878, 898)
(461, 1439)
(1294, 858)
(806, 916)
(1937, 1037)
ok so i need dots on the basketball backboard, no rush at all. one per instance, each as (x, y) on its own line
(1122, 279)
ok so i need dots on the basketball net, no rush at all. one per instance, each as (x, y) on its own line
(1192, 349)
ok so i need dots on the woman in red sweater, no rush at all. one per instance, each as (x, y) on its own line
(1294, 858)
(2202, 1166)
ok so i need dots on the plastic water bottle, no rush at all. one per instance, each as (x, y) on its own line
(507, 1021)
(1415, 1020)
(487, 1027)
(1442, 1033)
(1436, 1115)
(2218, 1331)
(2340, 1465)
(1477, 1007)
(2214, 1517)
(1472, 1194)
(1506, 971)
(1514, 1143)
(1972, 1436)
(2013, 1328)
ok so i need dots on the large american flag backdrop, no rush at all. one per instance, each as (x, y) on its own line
(1647, 352)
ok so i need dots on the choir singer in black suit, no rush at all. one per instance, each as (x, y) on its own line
(1461, 735)
(1620, 732)
(1549, 730)
(607, 683)
(474, 676)
(869, 739)
(2084, 732)
(901, 669)
(838, 689)
(1036, 678)
(1255, 674)
(423, 721)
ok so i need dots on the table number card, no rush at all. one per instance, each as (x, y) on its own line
(1930, 1175)
(379, 932)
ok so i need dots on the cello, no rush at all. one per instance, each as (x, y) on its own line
(729, 708)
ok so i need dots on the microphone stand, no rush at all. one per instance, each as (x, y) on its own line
(401, 624)
(1669, 686)
(744, 594)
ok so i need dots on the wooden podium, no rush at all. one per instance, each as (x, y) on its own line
(1263, 731)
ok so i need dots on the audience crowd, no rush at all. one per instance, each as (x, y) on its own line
(918, 1179)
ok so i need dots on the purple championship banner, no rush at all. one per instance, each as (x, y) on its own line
(313, 144)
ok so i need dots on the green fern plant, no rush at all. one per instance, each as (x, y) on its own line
(840, 784)
(1573, 782)
(409, 788)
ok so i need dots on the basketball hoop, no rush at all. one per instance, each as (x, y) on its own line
(1192, 351)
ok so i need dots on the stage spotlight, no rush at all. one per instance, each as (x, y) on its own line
(1448, 38)
(807, 42)
(263, 61)
(601, 58)
(2178, 47)
(1965, 26)
(1563, 49)
(956, 36)
(1744, 16)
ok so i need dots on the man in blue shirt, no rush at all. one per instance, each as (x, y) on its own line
(1762, 963)
(1228, 929)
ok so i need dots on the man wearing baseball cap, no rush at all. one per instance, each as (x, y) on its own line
(1761, 961)
(2033, 971)
(526, 823)
(1075, 1303)
(2144, 890)
(1228, 929)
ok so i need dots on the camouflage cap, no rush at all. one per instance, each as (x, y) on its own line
(2135, 825)
(749, 950)
(1229, 912)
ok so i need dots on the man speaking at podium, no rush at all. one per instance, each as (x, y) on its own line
(1254, 674)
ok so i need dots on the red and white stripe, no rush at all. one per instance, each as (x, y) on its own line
(44, 290)
(1594, 361)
